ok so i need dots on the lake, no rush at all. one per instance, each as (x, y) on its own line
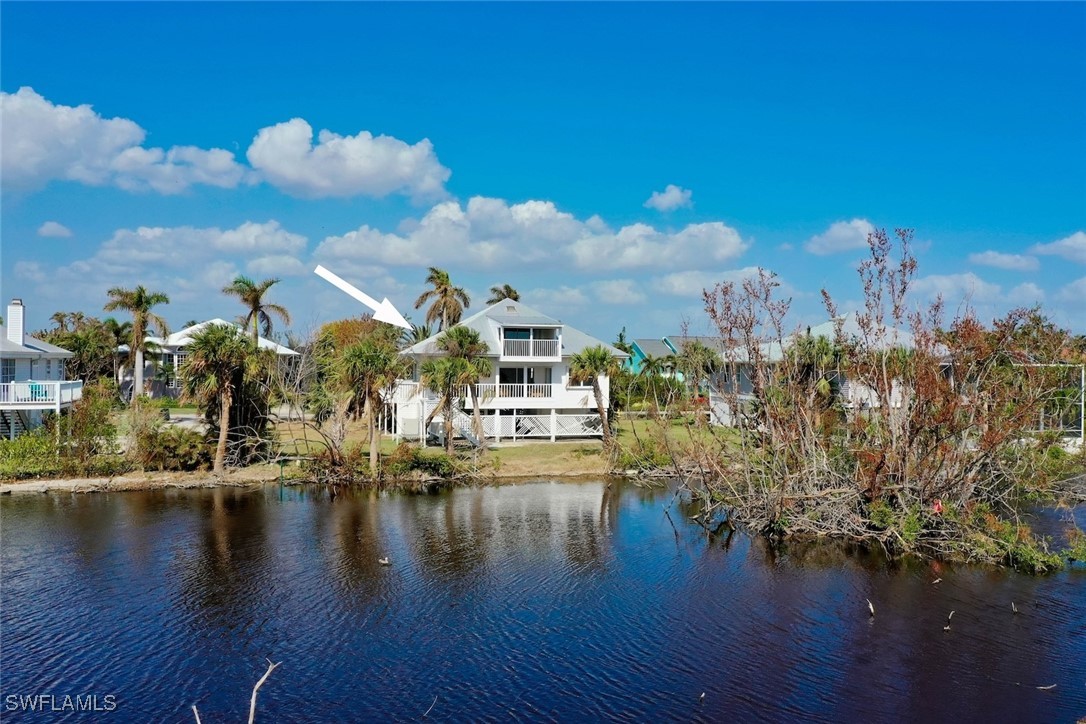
(562, 601)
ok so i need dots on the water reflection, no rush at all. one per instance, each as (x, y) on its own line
(545, 600)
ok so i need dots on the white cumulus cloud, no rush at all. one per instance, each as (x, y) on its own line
(1071, 248)
(1026, 294)
(277, 265)
(671, 198)
(1074, 293)
(344, 166)
(1013, 262)
(487, 232)
(957, 287)
(618, 291)
(692, 282)
(641, 245)
(43, 142)
(54, 229)
(841, 236)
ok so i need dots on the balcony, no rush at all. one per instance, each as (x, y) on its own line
(31, 395)
(549, 349)
(515, 390)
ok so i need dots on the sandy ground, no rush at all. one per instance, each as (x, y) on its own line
(144, 481)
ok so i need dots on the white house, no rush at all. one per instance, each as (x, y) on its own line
(166, 355)
(735, 375)
(32, 379)
(529, 394)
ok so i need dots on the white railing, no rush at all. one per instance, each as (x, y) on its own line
(522, 426)
(506, 390)
(31, 394)
(531, 348)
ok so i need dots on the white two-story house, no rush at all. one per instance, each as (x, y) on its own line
(162, 366)
(528, 395)
(32, 379)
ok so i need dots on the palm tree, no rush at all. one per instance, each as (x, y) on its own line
(466, 344)
(652, 368)
(416, 334)
(449, 301)
(251, 295)
(368, 368)
(217, 357)
(61, 320)
(505, 291)
(138, 302)
(697, 362)
(444, 375)
(622, 343)
(591, 364)
(118, 333)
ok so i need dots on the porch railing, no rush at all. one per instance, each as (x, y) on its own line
(507, 390)
(531, 348)
(45, 394)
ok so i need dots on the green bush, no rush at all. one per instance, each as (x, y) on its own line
(32, 454)
(156, 446)
(642, 455)
(408, 458)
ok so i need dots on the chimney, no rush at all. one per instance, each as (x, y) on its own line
(15, 321)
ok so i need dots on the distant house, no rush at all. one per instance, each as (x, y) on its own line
(644, 348)
(530, 393)
(32, 376)
(734, 375)
(165, 356)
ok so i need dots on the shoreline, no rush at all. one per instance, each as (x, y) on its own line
(239, 478)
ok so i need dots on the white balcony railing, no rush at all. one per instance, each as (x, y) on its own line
(537, 348)
(40, 395)
(515, 390)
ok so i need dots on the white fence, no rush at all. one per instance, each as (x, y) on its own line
(498, 426)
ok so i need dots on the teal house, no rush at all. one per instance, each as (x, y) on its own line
(643, 348)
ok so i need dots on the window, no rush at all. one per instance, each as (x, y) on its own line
(7, 371)
(48, 369)
(586, 382)
(175, 373)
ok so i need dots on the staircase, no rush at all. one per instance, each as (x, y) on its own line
(12, 424)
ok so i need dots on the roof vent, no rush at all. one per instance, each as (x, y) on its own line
(511, 309)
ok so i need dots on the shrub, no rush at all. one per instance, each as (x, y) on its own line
(32, 454)
(408, 458)
(156, 446)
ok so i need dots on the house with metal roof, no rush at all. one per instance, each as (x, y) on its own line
(165, 355)
(530, 393)
(32, 376)
(645, 348)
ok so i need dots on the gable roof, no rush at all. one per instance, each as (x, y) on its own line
(32, 347)
(183, 338)
(654, 347)
(510, 313)
(850, 330)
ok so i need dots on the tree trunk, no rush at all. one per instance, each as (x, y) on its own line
(375, 436)
(602, 410)
(256, 330)
(476, 415)
(224, 430)
(448, 425)
(137, 374)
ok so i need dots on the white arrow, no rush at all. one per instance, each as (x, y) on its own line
(383, 312)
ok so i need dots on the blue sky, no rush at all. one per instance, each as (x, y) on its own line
(607, 160)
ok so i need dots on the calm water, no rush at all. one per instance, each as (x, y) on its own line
(543, 601)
